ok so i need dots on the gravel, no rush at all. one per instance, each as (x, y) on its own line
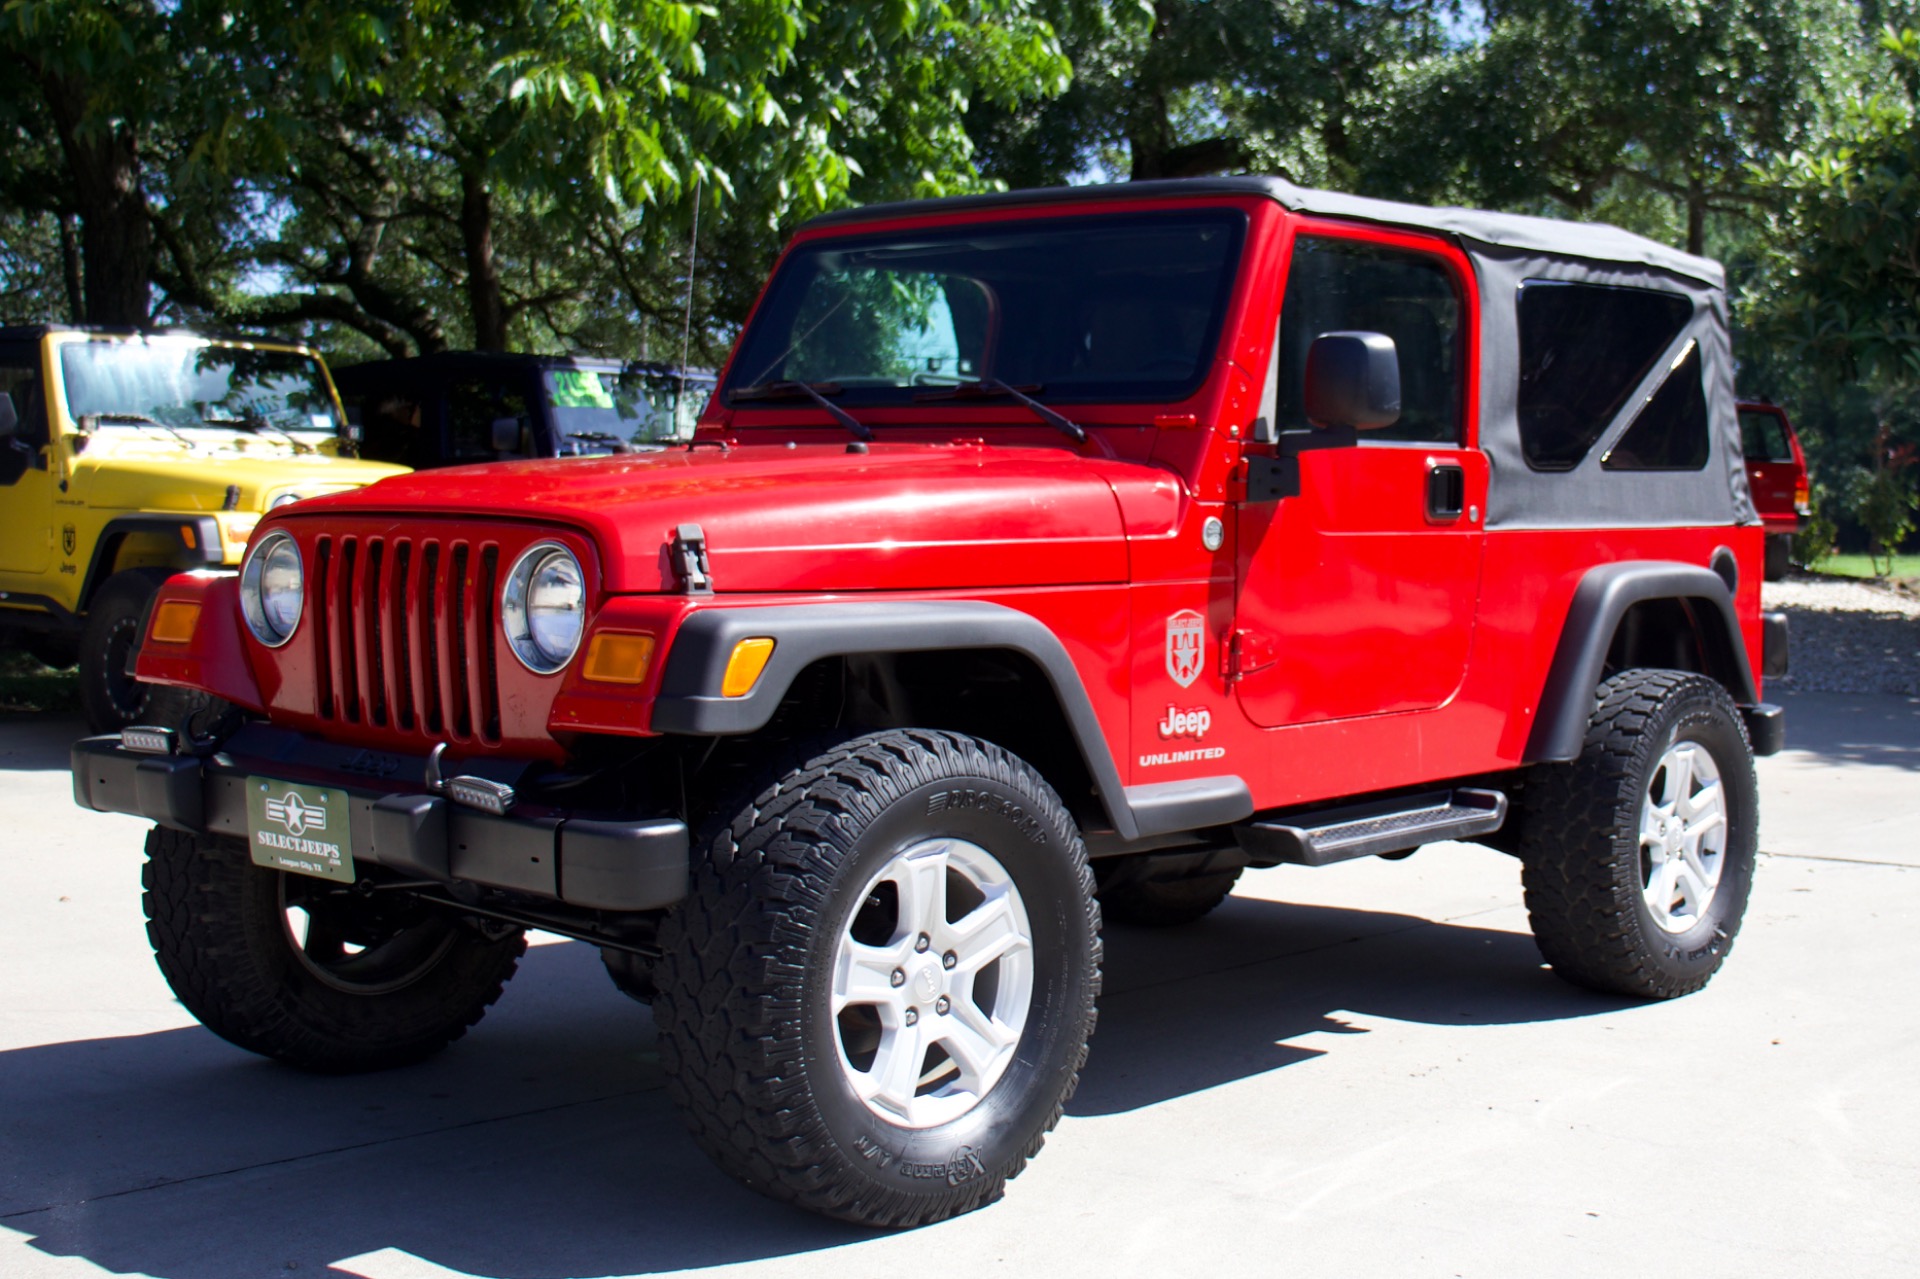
(1848, 635)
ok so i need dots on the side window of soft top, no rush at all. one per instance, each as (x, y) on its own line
(1583, 350)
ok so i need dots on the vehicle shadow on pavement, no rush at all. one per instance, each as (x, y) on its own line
(545, 1144)
(39, 743)
(1186, 1009)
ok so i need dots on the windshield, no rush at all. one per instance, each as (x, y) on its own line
(595, 409)
(1116, 308)
(188, 384)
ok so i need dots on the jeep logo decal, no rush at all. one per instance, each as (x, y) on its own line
(1186, 642)
(68, 540)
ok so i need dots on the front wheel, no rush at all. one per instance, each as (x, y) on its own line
(309, 971)
(1638, 857)
(110, 697)
(877, 997)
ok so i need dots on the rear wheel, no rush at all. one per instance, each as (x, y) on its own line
(308, 971)
(1133, 892)
(1638, 857)
(876, 999)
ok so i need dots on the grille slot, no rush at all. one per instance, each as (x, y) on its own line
(404, 635)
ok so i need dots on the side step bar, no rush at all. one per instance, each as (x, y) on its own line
(1367, 830)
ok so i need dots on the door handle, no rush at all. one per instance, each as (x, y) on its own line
(1446, 492)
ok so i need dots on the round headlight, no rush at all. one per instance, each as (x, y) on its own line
(272, 585)
(543, 607)
(283, 499)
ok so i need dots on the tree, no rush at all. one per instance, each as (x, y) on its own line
(1645, 112)
(509, 174)
(1180, 88)
(74, 109)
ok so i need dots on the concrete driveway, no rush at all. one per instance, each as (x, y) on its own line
(1357, 1070)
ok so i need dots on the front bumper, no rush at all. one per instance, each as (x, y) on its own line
(621, 864)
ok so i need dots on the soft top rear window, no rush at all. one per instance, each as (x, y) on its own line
(1124, 308)
(1583, 348)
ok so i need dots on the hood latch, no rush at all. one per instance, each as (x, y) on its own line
(688, 556)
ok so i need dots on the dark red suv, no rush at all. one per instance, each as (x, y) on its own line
(1777, 475)
(1040, 554)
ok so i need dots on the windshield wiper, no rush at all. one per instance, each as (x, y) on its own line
(993, 386)
(132, 419)
(815, 391)
(255, 425)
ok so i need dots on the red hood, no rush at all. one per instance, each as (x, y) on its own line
(814, 518)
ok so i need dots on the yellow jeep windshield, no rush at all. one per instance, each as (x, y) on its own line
(187, 384)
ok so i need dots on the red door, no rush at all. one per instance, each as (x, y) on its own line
(1357, 593)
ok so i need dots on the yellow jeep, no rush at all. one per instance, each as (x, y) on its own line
(128, 456)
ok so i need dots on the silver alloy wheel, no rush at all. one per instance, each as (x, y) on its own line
(1683, 836)
(932, 979)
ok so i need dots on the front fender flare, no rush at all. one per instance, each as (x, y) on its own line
(689, 700)
(201, 547)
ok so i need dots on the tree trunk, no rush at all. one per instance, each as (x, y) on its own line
(116, 241)
(70, 269)
(1696, 217)
(483, 275)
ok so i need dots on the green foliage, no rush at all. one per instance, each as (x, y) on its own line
(1841, 289)
(1904, 566)
(1814, 543)
(27, 686)
(1884, 500)
(1642, 112)
(451, 172)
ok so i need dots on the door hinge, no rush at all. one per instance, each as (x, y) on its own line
(1247, 652)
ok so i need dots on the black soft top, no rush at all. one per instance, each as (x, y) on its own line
(1507, 250)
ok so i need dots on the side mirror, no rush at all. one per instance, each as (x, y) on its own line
(506, 435)
(1353, 380)
(9, 416)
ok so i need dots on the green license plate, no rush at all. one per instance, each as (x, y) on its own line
(302, 829)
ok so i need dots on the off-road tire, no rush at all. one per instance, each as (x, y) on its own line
(745, 982)
(1580, 840)
(1129, 897)
(110, 698)
(218, 926)
(1778, 558)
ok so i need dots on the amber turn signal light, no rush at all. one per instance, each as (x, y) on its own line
(619, 657)
(744, 667)
(173, 621)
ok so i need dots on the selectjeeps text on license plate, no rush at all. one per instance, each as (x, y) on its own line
(296, 828)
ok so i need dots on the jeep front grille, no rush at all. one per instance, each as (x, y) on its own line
(405, 635)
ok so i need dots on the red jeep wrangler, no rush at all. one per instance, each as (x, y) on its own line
(1037, 549)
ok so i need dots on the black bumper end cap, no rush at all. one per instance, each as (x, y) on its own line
(623, 865)
(409, 834)
(1773, 645)
(1766, 727)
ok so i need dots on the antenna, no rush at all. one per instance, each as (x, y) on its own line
(686, 331)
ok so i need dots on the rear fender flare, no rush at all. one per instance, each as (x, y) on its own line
(1599, 604)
